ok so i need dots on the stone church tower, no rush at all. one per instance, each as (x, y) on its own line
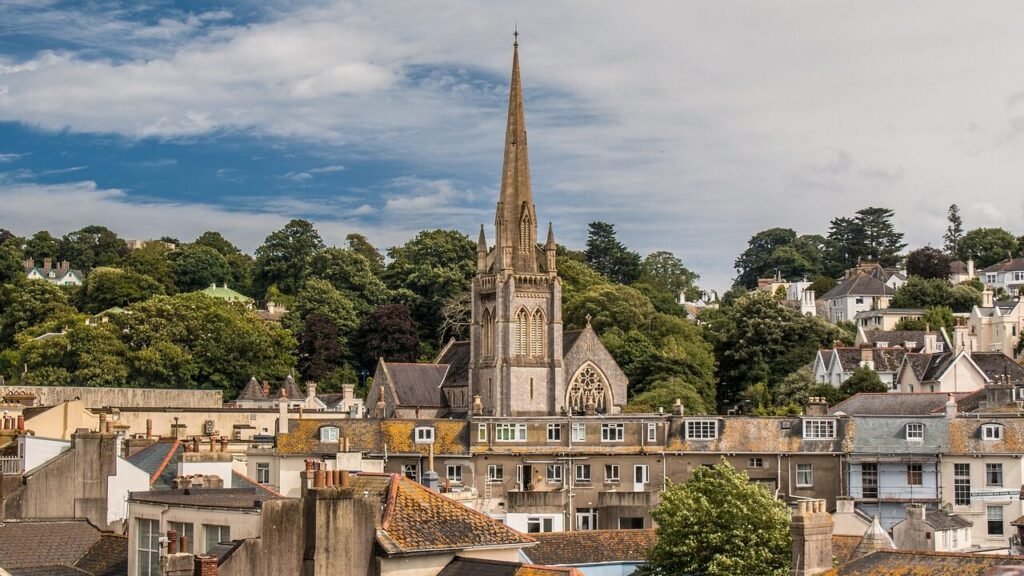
(516, 332)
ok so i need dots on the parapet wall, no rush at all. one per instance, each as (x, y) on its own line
(119, 397)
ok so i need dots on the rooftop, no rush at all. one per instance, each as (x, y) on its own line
(60, 547)
(591, 546)
(914, 563)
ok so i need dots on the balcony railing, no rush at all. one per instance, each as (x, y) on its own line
(10, 465)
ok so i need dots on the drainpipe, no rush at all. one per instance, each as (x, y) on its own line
(570, 473)
(778, 474)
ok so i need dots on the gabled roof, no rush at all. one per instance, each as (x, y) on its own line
(942, 520)
(160, 462)
(253, 391)
(1012, 265)
(899, 337)
(930, 367)
(456, 356)
(478, 567)
(59, 547)
(225, 293)
(997, 366)
(884, 359)
(416, 384)
(591, 547)
(569, 338)
(416, 519)
(957, 267)
(859, 285)
(915, 563)
(291, 389)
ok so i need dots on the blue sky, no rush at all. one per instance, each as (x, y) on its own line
(690, 125)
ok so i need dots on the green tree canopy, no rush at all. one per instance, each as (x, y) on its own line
(284, 258)
(153, 260)
(719, 523)
(11, 269)
(665, 272)
(90, 247)
(863, 379)
(987, 246)
(933, 318)
(41, 245)
(869, 235)
(610, 257)
(32, 302)
(390, 333)
(320, 297)
(360, 245)
(196, 267)
(79, 356)
(609, 306)
(577, 277)
(928, 262)
(954, 232)
(427, 270)
(106, 287)
(921, 293)
(352, 274)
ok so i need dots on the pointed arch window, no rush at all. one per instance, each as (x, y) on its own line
(522, 332)
(588, 391)
(488, 334)
(524, 231)
(537, 333)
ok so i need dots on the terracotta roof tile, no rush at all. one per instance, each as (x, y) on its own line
(591, 546)
(911, 563)
(479, 567)
(371, 436)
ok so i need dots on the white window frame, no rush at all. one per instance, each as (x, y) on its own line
(454, 472)
(424, 434)
(509, 432)
(495, 473)
(613, 432)
(586, 518)
(641, 474)
(186, 532)
(554, 433)
(330, 434)
(652, 432)
(579, 431)
(994, 470)
(481, 432)
(999, 516)
(703, 429)
(223, 534)
(263, 472)
(819, 429)
(414, 468)
(553, 474)
(542, 523)
(804, 475)
(992, 432)
(755, 462)
(611, 474)
(915, 432)
(147, 546)
(583, 474)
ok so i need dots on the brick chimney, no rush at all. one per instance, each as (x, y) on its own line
(811, 529)
(206, 565)
(867, 356)
(817, 406)
(266, 389)
(47, 262)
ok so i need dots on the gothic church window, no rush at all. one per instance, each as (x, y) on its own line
(522, 332)
(488, 334)
(537, 334)
(524, 232)
(588, 389)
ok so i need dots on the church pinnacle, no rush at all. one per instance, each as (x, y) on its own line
(516, 218)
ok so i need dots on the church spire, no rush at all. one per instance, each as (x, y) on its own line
(516, 219)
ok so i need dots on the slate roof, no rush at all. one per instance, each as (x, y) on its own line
(996, 365)
(244, 498)
(253, 391)
(456, 357)
(591, 546)
(898, 337)
(415, 519)
(569, 338)
(370, 435)
(155, 460)
(417, 384)
(859, 285)
(1013, 265)
(291, 390)
(929, 367)
(755, 434)
(957, 267)
(941, 520)
(884, 359)
(881, 438)
(479, 567)
(894, 404)
(915, 563)
(61, 547)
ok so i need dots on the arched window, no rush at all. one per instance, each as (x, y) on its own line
(524, 231)
(522, 332)
(488, 333)
(588, 389)
(537, 333)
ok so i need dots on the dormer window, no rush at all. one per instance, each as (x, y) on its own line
(992, 432)
(881, 344)
(329, 434)
(819, 429)
(915, 432)
(701, 429)
(424, 435)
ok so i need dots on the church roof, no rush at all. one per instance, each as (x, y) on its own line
(417, 384)
(252, 391)
(456, 356)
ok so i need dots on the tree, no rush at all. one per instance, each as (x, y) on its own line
(284, 258)
(428, 269)
(388, 332)
(928, 262)
(88, 355)
(756, 261)
(109, 287)
(352, 274)
(933, 318)
(878, 241)
(11, 270)
(663, 395)
(90, 247)
(196, 267)
(217, 241)
(153, 260)
(719, 523)
(360, 245)
(863, 379)
(664, 272)
(31, 303)
(609, 306)
(921, 293)
(610, 257)
(320, 297)
(758, 340)
(41, 245)
(577, 277)
(320, 351)
(954, 232)
(987, 246)
(239, 265)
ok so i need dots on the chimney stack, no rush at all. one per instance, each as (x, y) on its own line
(987, 300)
(47, 262)
(867, 356)
(817, 406)
(950, 406)
(21, 423)
(811, 529)
(311, 390)
(149, 427)
(970, 268)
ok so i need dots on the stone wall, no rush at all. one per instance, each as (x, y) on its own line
(120, 397)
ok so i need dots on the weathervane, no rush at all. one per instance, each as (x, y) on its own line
(515, 33)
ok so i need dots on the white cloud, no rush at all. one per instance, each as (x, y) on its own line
(7, 158)
(690, 125)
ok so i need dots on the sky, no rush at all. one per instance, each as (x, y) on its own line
(689, 125)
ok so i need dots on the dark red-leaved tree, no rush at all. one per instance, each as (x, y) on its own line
(390, 333)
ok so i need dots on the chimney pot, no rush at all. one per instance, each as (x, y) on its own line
(21, 422)
(343, 478)
(172, 542)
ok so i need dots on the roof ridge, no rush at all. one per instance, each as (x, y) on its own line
(166, 460)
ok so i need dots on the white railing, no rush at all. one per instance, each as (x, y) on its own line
(10, 465)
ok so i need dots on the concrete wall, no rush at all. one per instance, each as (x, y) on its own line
(264, 420)
(983, 496)
(123, 397)
(37, 451)
(129, 478)
(284, 470)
